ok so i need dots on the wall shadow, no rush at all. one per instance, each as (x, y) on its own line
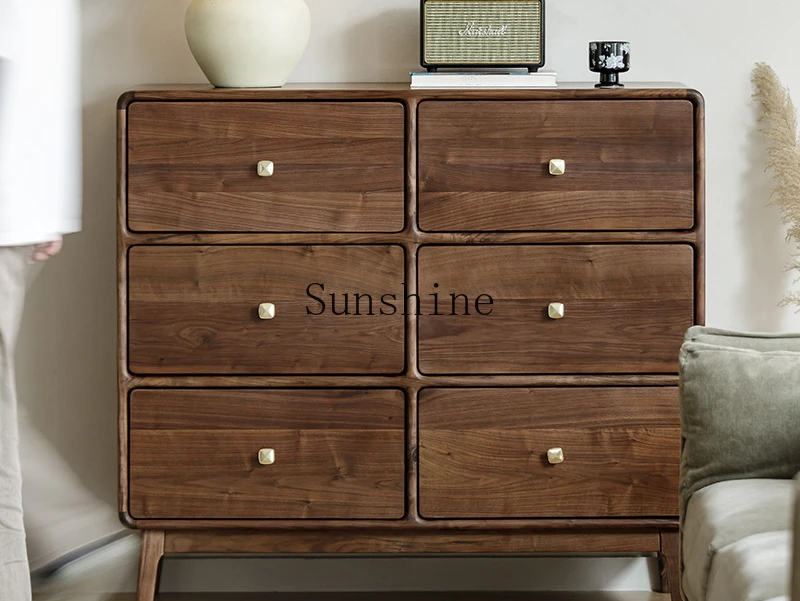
(766, 251)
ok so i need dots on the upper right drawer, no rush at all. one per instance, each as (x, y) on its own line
(556, 165)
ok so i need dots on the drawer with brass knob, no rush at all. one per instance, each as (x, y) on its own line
(548, 452)
(265, 166)
(265, 309)
(277, 453)
(517, 309)
(530, 165)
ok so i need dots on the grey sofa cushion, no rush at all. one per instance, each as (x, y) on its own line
(725, 513)
(740, 408)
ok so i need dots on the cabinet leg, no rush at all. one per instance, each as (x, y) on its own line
(150, 564)
(669, 558)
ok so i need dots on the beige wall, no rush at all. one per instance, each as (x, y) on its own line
(67, 351)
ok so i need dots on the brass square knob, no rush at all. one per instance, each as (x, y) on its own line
(556, 311)
(266, 168)
(266, 456)
(266, 311)
(555, 455)
(558, 166)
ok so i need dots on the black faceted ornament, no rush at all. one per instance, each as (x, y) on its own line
(609, 59)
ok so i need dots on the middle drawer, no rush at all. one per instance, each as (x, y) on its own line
(597, 309)
(250, 310)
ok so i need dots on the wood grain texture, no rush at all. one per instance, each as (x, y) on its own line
(670, 557)
(483, 452)
(700, 209)
(409, 381)
(193, 310)
(417, 236)
(339, 454)
(627, 308)
(412, 542)
(413, 523)
(484, 165)
(338, 166)
(150, 564)
(400, 91)
(403, 596)
(122, 314)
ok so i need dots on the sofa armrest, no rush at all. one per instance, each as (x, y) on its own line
(740, 407)
(757, 341)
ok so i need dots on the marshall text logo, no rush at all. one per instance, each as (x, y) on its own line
(472, 30)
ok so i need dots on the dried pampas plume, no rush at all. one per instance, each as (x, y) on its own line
(783, 155)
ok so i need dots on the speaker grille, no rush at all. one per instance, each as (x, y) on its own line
(503, 32)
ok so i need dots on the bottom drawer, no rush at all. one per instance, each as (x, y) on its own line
(336, 454)
(483, 452)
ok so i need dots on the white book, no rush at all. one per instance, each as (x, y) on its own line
(464, 79)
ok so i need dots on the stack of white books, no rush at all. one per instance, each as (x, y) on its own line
(483, 79)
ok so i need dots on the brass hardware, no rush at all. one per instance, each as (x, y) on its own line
(558, 166)
(266, 456)
(266, 311)
(266, 168)
(555, 455)
(555, 311)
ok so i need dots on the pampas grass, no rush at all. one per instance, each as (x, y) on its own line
(779, 120)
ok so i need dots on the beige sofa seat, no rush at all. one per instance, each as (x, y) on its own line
(755, 568)
(736, 541)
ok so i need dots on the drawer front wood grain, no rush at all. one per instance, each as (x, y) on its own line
(337, 454)
(483, 452)
(626, 308)
(338, 166)
(484, 165)
(195, 310)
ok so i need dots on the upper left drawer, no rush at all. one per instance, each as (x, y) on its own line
(326, 166)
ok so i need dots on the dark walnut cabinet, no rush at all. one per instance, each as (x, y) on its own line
(363, 319)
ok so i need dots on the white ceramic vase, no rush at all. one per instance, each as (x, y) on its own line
(248, 43)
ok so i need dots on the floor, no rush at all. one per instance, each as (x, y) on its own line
(415, 596)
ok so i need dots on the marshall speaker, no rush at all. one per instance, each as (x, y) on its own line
(482, 34)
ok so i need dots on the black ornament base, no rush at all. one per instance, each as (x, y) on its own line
(609, 80)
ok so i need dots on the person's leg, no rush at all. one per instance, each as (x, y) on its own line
(63, 519)
(77, 548)
(14, 574)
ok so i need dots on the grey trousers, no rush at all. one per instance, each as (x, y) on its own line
(39, 494)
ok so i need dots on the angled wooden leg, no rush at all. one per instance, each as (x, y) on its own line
(150, 563)
(669, 558)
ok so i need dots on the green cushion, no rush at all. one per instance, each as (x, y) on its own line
(740, 407)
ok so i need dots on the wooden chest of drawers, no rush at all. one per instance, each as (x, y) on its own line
(364, 319)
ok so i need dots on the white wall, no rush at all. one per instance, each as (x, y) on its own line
(67, 370)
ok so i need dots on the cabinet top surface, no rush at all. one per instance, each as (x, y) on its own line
(402, 91)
